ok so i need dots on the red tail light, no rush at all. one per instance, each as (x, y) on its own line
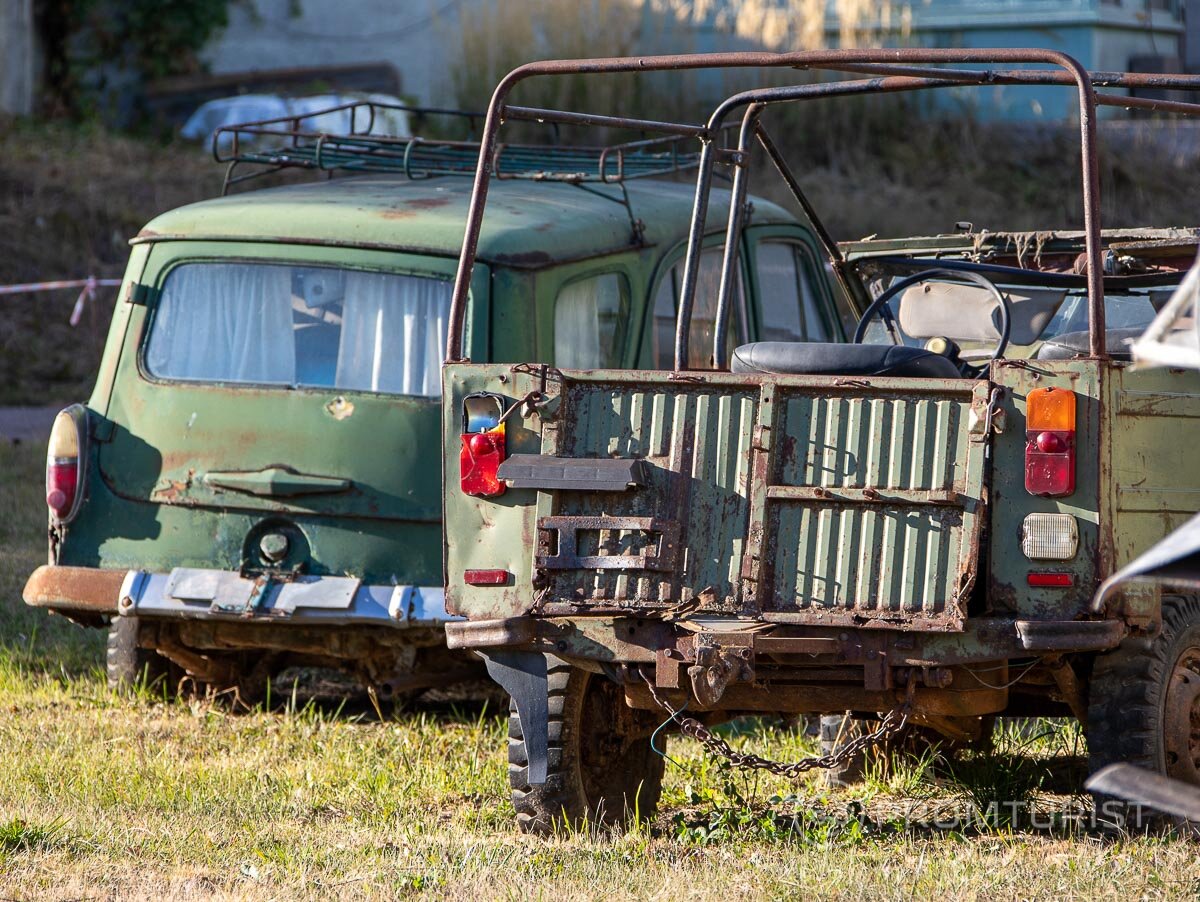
(1050, 580)
(480, 458)
(485, 577)
(1050, 442)
(65, 462)
(483, 444)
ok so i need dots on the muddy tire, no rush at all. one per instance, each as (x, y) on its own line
(128, 665)
(1144, 706)
(597, 774)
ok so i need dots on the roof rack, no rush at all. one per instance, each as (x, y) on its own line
(298, 142)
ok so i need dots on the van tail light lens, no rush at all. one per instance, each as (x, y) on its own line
(483, 446)
(1050, 442)
(65, 463)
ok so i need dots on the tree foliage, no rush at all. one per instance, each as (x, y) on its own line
(99, 54)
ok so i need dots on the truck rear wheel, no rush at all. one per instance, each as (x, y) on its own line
(1144, 702)
(601, 770)
(127, 664)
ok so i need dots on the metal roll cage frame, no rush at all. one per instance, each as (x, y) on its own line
(899, 70)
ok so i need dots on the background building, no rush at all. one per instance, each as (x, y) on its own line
(418, 37)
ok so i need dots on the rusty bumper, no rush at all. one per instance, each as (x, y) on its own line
(638, 640)
(85, 590)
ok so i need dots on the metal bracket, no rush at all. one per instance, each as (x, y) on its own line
(716, 667)
(568, 557)
(542, 471)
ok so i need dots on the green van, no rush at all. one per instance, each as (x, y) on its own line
(254, 483)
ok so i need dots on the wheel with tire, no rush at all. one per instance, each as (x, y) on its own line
(601, 765)
(127, 664)
(1144, 703)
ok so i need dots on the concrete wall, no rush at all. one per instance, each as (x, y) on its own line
(18, 57)
(412, 35)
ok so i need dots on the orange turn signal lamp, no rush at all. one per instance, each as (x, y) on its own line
(1050, 442)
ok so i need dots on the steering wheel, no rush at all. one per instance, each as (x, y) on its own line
(946, 347)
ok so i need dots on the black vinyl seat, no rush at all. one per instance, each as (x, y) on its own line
(1078, 344)
(811, 358)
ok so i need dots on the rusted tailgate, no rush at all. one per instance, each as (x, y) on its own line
(797, 499)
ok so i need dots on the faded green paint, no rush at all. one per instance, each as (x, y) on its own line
(1008, 590)
(530, 224)
(1153, 443)
(875, 503)
(768, 481)
(150, 504)
(822, 503)
(908, 557)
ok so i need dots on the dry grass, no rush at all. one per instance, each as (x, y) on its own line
(70, 200)
(103, 797)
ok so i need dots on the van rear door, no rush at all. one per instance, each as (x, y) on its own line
(289, 382)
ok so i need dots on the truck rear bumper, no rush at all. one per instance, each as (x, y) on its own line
(634, 640)
(201, 594)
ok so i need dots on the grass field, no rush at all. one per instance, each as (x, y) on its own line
(103, 797)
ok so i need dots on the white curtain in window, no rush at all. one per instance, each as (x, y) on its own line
(228, 322)
(589, 315)
(790, 311)
(577, 325)
(393, 334)
(704, 312)
(778, 287)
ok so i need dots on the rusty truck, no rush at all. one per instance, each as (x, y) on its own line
(908, 526)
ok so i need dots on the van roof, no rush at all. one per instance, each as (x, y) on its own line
(429, 216)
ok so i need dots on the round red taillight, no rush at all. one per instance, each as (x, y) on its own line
(64, 457)
(481, 443)
(1049, 443)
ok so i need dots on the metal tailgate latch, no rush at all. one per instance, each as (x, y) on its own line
(992, 418)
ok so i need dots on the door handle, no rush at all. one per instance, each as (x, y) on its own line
(275, 482)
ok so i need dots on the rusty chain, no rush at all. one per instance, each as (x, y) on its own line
(892, 724)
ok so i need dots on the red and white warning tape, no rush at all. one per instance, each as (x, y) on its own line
(88, 292)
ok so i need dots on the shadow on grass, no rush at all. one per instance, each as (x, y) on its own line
(1027, 782)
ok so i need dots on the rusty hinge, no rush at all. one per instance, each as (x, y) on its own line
(760, 438)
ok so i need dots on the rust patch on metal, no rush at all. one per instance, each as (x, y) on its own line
(74, 589)
(525, 258)
(427, 203)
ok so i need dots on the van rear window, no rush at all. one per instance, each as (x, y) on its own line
(320, 327)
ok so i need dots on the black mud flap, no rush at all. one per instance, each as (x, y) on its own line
(522, 675)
